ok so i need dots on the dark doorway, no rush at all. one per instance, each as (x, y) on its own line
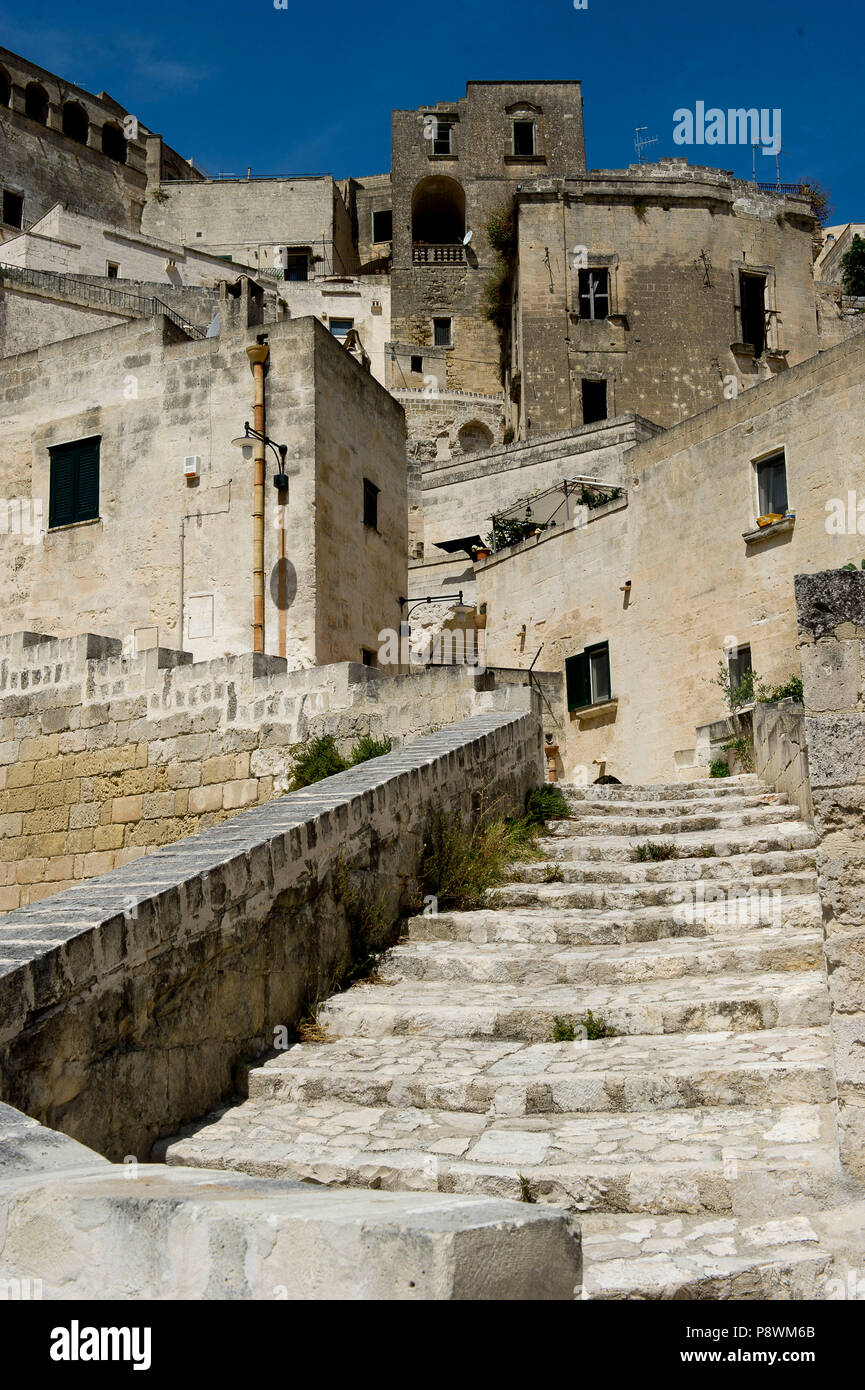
(594, 395)
(752, 295)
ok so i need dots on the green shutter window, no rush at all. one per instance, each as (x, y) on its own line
(587, 676)
(577, 681)
(74, 482)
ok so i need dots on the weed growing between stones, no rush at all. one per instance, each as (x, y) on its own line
(553, 874)
(588, 1027)
(461, 861)
(526, 1194)
(659, 849)
(312, 762)
(719, 768)
(546, 803)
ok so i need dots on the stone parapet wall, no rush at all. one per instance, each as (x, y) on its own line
(781, 751)
(127, 1002)
(831, 615)
(105, 757)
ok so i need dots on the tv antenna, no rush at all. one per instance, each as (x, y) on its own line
(640, 143)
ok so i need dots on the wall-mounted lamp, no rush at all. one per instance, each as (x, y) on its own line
(245, 442)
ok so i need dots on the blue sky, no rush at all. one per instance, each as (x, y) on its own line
(309, 89)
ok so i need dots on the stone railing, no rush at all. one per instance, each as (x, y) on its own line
(127, 1001)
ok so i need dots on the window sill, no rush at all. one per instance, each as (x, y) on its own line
(74, 525)
(442, 156)
(525, 159)
(777, 528)
(597, 711)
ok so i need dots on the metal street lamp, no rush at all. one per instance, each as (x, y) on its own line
(245, 442)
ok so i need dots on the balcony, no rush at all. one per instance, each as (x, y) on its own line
(426, 253)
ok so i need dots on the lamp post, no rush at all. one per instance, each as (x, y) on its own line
(253, 442)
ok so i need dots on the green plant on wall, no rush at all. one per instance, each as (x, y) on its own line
(853, 267)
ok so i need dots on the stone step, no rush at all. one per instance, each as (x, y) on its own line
(681, 806)
(719, 1159)
(771, 1067)
(577, 926)
(743, 901)
(560, 852)
(692, 1257)
(773, 949)
(655, 828)
(793, 835)
(716, 788)
(716, 1003)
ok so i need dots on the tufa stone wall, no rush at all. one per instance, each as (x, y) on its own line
(831, 614)
(125, 1003)
(106, 757)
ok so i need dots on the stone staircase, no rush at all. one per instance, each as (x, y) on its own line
(697, 1142)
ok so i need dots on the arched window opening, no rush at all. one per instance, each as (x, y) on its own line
(5, 88)
(114, 143)
(75, 122)
(474, 437)
(438, 212)
(36, 103)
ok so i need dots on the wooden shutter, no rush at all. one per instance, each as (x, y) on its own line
(577, 681)
(87, 499)
(61, 505)
(74, 483)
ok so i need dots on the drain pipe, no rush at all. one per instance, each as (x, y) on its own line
(180, 595)
(258, 354)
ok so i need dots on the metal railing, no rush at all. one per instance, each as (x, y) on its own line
(448, 254)
(123, 300)
(795, 190)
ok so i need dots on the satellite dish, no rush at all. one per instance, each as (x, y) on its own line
(468, 236)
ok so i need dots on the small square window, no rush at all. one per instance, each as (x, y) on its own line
(368, 657)
(13, 208)
(594, 294)
(340, 328)
(417, 365)
(442, 332)
(524, 138)
(370, 504)
(772, 485)
(112, 270)
(382, 225)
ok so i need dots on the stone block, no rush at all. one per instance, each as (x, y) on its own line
(126, 809)
(203, 799)
(238, 794)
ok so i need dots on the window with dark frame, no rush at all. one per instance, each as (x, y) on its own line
(296, 267)
(370, 504)
(594, 399)
(382, 225)
(524, 138)
(738, 665)
(368, 657)
(442, 138)
(442, 332)
(113, 270)
(74, 482)
(587, 676)
(594, 293)
(13, 208)
(752, 301)
(416, 365)
(340, 328)
(772, 485)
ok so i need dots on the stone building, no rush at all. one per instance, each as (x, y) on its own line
(63, 144)
(126, 505)
(640, 601)
(657, 290)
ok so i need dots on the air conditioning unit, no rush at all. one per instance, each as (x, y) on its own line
(192, 466)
